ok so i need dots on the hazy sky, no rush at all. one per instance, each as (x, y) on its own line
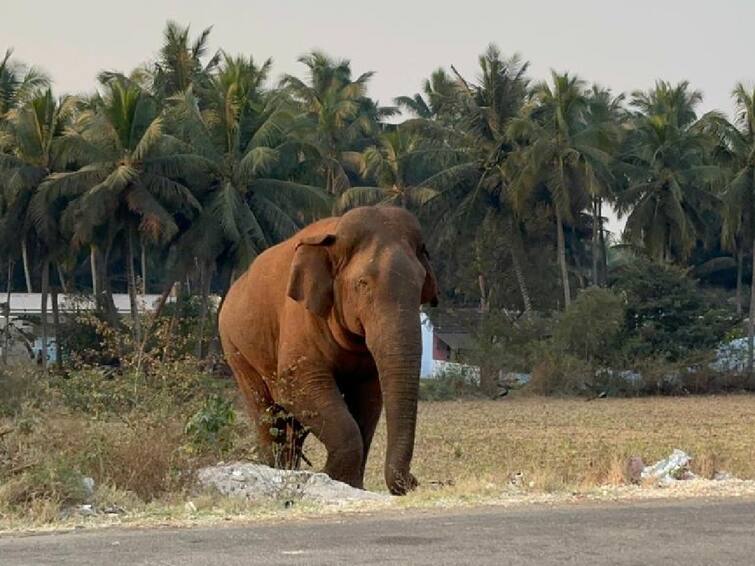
(623, 45)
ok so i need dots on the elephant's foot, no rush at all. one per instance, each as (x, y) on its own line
(400, 483)
(345, 464)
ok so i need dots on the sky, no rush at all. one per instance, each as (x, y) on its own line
(622, 45)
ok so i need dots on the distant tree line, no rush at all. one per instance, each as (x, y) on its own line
(181, 171)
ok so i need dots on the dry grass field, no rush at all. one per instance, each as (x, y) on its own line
(570, 443)
(466, 452)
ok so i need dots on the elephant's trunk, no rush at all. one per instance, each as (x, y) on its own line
(397, 349)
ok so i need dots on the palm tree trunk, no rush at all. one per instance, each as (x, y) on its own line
(751, 321)
(526, 301)
(205, 279)
(562, 258)
(103, 294)
(45, 290)
(577, 262)
(56, 328)
(740, 261)
(93, 265)
(144, 267)
(27, 270)
(484, 294)
(603, 250)
(595, 243)
(173, 320)
(131, 274)
(61, 277)
(6, 332)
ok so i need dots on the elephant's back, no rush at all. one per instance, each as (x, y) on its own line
(249, 316)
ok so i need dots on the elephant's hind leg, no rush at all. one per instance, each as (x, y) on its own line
(365, 402)
(257, 399)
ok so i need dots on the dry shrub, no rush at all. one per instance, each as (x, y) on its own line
(146, 458)
(560, 374)
(706, 463)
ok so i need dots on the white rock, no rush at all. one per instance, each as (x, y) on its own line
(669, 469)
(723, 476)
(256, 482)
(88, 484)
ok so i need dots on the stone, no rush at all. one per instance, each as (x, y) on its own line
(258, 482)
(85, 510)
(87, 485)
(634, 469)
(669, 469)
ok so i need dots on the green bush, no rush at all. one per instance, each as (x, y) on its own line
(667, 314)
(590, 327)
(211, 426)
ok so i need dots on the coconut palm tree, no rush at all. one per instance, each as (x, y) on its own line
(398, 164)
(438, 100)
(476, 151)
(181, 62)
(32, 130)
(668, 175)
(128, 181)
(18, 82)
(559, 154)
(738, 196)
(337, 116)
(243, 134)
(605, 120)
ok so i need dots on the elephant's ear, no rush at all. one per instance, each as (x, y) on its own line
(430, 286)
(311, 280)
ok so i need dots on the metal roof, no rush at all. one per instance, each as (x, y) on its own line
(31, 303)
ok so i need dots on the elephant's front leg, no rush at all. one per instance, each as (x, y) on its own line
(309, 392)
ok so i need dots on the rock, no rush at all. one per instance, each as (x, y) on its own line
(517, 479)
(670, 469)
(85, 510)
(258, 482)
(723, 476)
(113, 510)
(87, 485)
(634, 469)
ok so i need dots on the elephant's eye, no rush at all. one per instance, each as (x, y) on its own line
(362, 283)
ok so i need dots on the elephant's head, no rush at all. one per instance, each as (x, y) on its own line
(368, 278)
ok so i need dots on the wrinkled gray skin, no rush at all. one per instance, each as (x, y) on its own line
(326, 326)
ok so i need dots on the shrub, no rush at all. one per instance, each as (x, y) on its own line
(19, 386)
(561, 374)
(54, 479)
(590, 327)
(667, 314)
(211, 426)
(504, 342)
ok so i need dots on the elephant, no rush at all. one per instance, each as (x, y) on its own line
(323, 329)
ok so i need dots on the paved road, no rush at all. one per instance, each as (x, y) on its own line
(691, 532)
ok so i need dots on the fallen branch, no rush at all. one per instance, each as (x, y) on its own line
(22, 468)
